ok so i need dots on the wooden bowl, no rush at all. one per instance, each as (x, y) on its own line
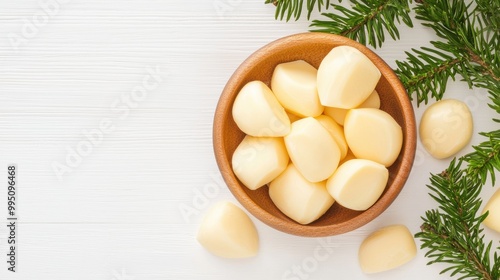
(311, 47)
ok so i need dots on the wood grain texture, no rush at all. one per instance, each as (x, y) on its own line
(121, 212)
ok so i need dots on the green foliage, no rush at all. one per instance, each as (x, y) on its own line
(367, 21)
(467, 49)
(452, 234)
(485, 159)
(489, 11)
(427, 71)
(293, 8)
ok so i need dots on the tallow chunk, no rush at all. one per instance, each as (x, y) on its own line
(226, 231)
(346, 77)
(386, 249)
(294, 84)
(446, 128)
(358, 183)
(338, 114)
(299, 199)
(336, 131)
(257, 112)
(493, 206)
(312, 149)
(258, 160)
(373, 134)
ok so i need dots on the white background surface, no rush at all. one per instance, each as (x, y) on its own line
(117, 214)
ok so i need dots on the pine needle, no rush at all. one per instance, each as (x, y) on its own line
(367, 21)
(288, 9)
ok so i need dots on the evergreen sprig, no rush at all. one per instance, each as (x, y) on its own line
(426, 71)
(293, 8)
(489, 11)
(453, 234)
(485, 159)
(467, 48)
(367, 21)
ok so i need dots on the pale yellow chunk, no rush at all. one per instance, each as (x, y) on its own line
(258, 160)
(293, 117)
(336, 131)
(373, 134)
(257, 112)
(346, 77)
(446, 127)
(493, 206)
(386, 249)
(312, 149)
(299, 199)
(348, 157)
(294, 84)
(226, 231)
(373, 101)
(338, 114)
(358, 183)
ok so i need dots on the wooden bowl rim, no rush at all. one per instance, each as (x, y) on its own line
(292, 227)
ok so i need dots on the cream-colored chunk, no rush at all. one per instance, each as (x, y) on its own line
(348, 157)
(293, 117)
(299, 199)
(294, 84)
(257, 112)
(358, 183)
(346, 77)
(373, 134)
(493, 206)
(312, 149)
(336, 131)
(258, 160)
(338, 114)
(446, 127)
(226, 231)
(386, 249)
(373, 101)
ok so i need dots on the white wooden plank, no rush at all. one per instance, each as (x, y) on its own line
(118, 214)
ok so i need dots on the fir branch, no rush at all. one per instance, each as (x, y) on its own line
(468, 49)
(293, 8)
(367, 20)
(427, 71)
(485, 159)
(452, 234)
(489, 11)
(495, 101)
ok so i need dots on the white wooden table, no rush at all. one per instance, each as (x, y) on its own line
(106, 108)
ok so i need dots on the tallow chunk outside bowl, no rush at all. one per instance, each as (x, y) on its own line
(311, 47)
